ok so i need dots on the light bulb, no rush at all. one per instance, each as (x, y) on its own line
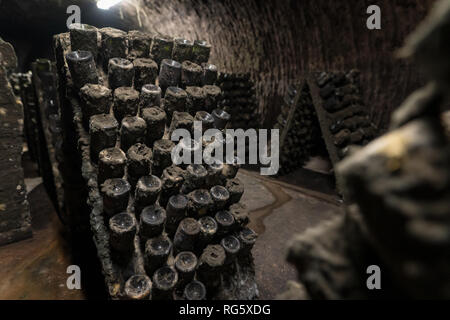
(106, 4)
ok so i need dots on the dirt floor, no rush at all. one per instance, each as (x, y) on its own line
(279, 208)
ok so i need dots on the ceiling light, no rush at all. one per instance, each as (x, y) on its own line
(106, 4)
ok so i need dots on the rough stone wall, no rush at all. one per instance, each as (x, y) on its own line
(276, 41)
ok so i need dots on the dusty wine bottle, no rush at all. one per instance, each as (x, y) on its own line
(247, 237)
(115, 195)
(231, 169)
(200, 203)
(103, 134)
(235, 189)
(145, 72)
(206, 119)
(231, 245)
(152, 221)
(114, 44)
(194, 178)
(172, 179)
(196, 98)
(147, 190)
(194, 290)
(210, 265)
(225, 222)
(126, 102)
(175, 211)
(122, 227)
(157, 251)
(208, 230)
(95, 99)
(174, 100)
(164, 282)
(221, 118)
(162, 157)
(120, 73)
(156, 121)
(213, 94)
(186, 235)
(84, 37)
(139, 162)
(185, 265)
(186, 152)
(214, 173)
(191, 74)
(209, 74)
(82, 68)
(138, 44)
(169, 74)
(150, 96)
(132, 131)
(181, 120)
(111, 164)
(138, 287)
(240, 214)
(43, 68)
(201, 51)
(182, 50)
(162, 47)
(220, 197)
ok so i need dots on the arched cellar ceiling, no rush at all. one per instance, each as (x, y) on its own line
(277, 40)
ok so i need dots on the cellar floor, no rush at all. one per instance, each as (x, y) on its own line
(279, 208)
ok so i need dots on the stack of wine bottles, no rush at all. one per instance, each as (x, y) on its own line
(324, 110)
(162, 231)
(239, 99)
(300, 135)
